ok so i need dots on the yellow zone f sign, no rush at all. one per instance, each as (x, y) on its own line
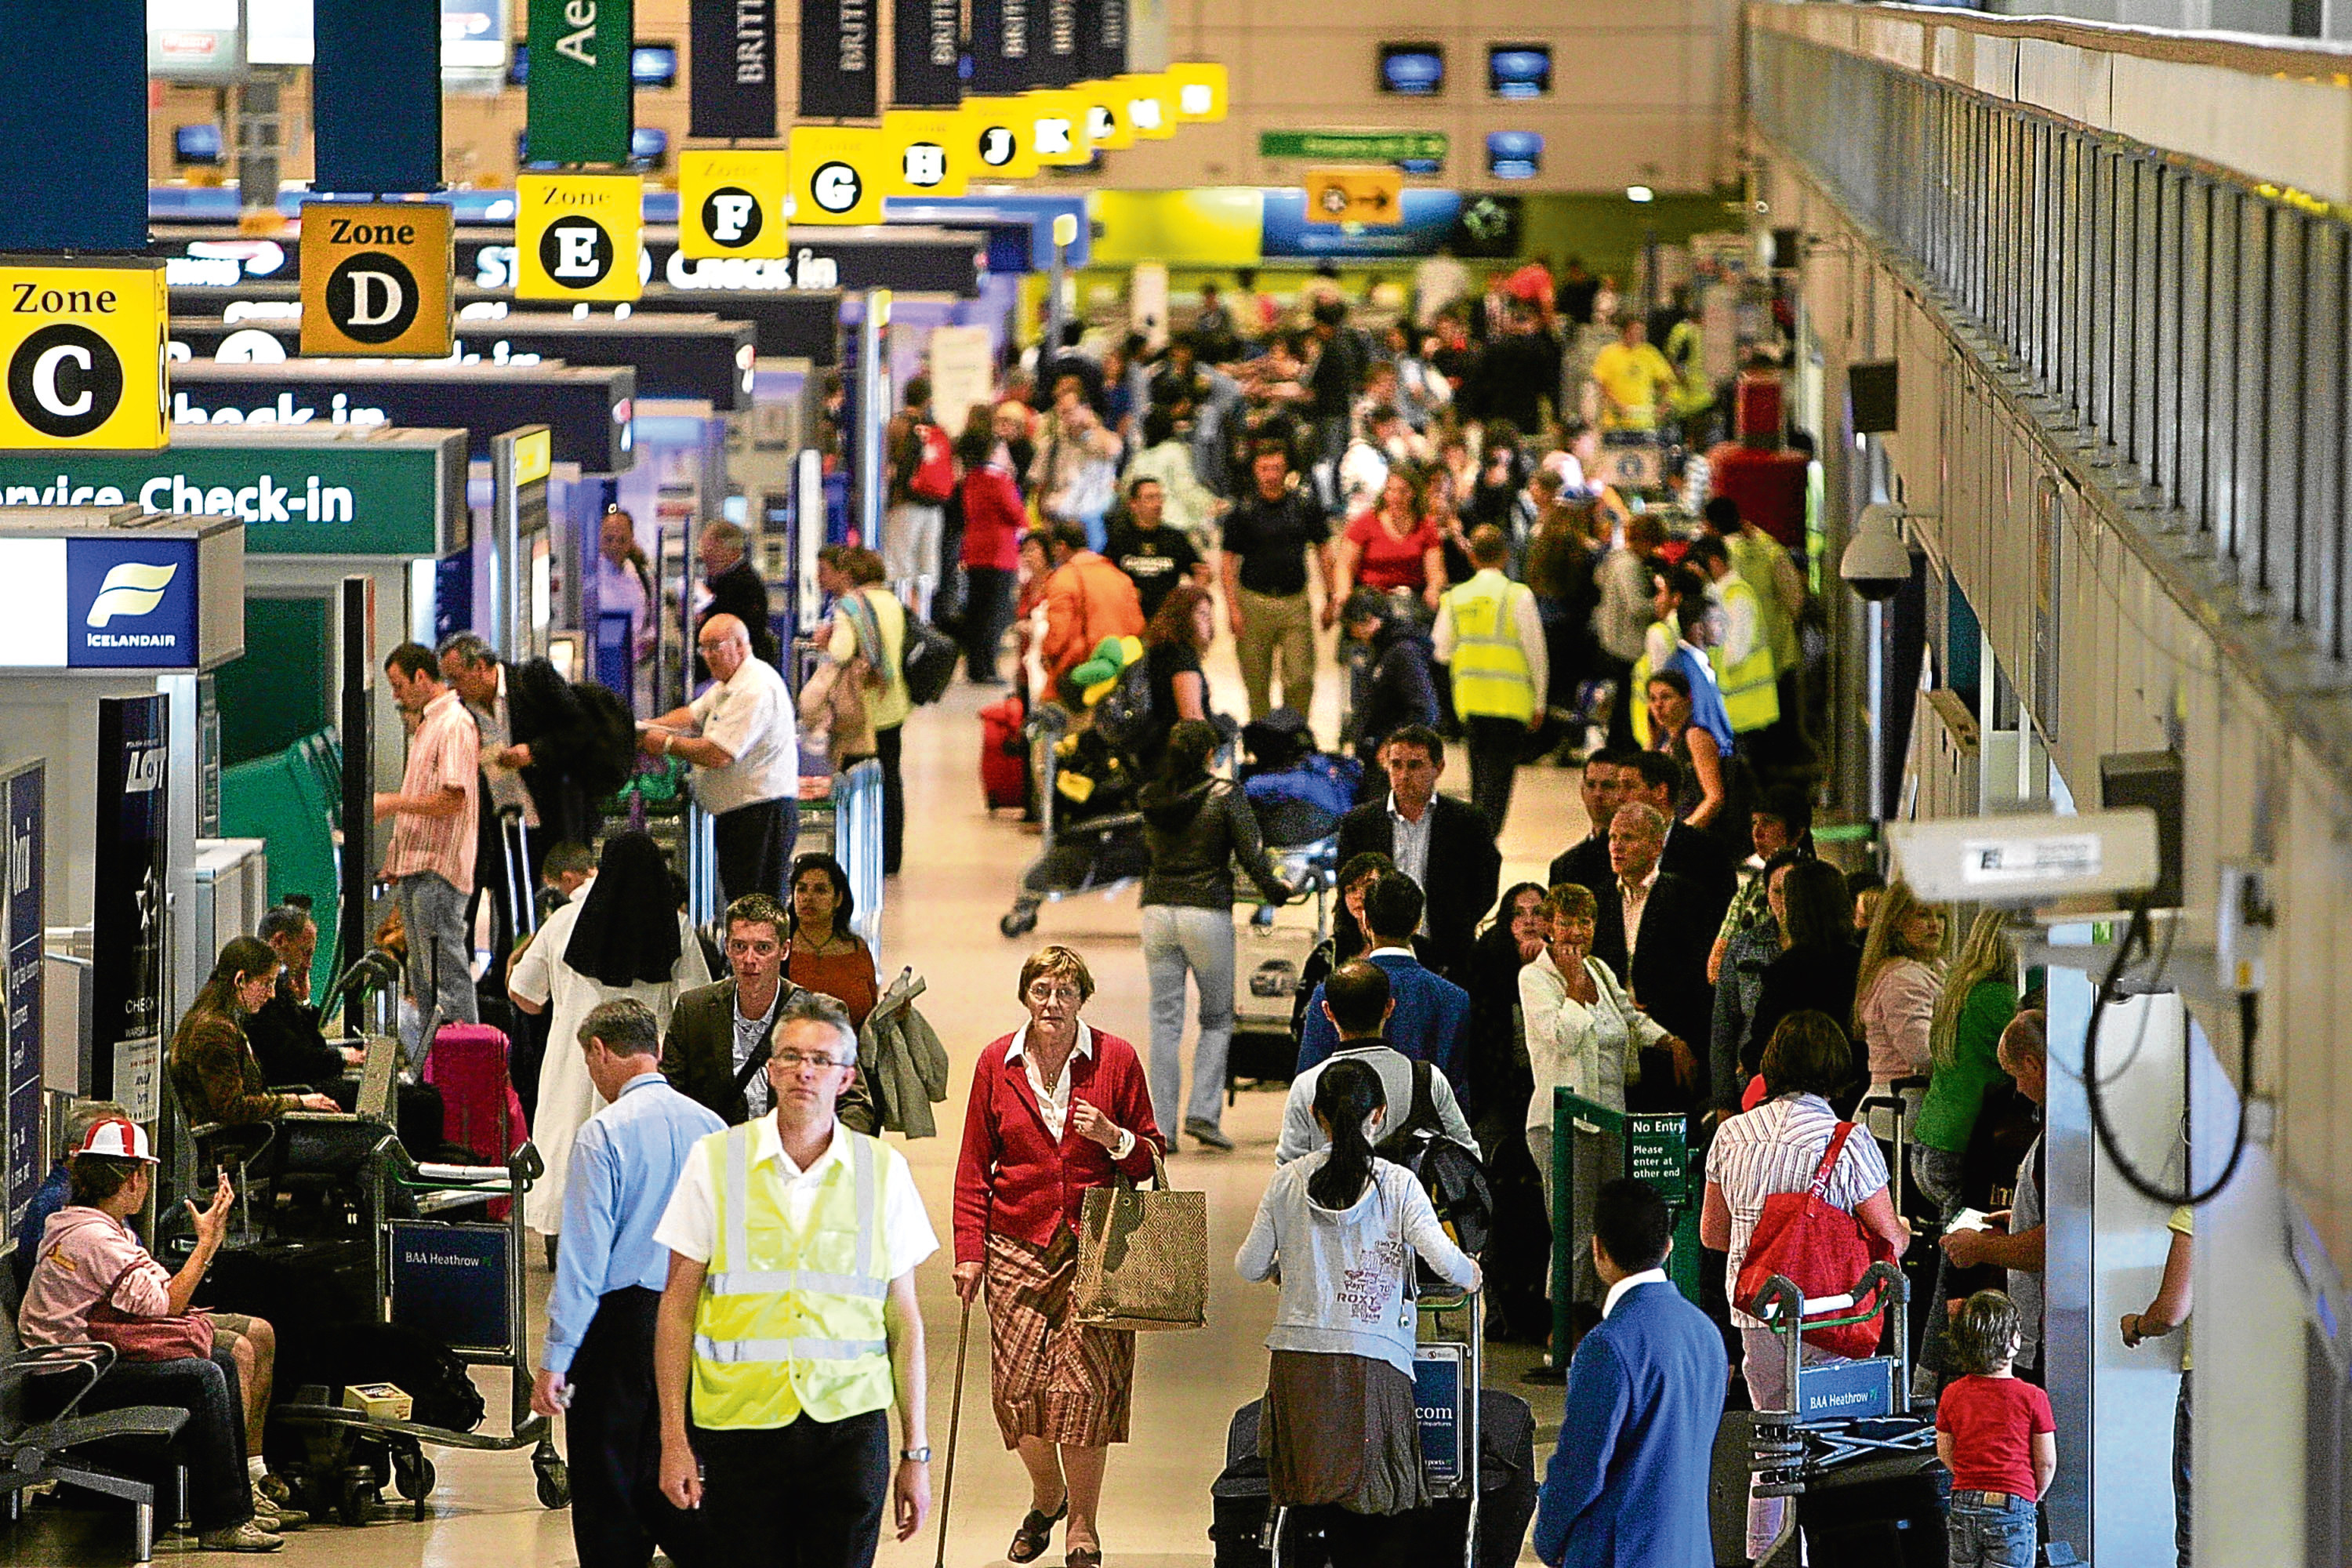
(84, 348)
(1354, 195)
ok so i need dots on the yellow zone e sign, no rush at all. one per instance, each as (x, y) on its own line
(85, 349)
(731, 204)
(577, 236)
(1354, 195)
(375, 278)
(840, 174)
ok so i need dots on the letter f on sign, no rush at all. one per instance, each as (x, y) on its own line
(729, 215)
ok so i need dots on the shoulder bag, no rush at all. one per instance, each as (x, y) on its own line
(177, 1337)
(1822, 1251)
(1143, 1256)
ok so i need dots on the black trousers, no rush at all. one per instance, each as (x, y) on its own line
(1494, 746)
(894, 798)
(987, 611)
(612, 1435)
(755, 845)
(810, 1494)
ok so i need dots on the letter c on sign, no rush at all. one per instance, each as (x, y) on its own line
(45, 368)
(65, 381)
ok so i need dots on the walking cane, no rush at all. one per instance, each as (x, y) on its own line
(955, 1425)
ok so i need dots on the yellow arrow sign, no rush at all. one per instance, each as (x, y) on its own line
(1354, 195)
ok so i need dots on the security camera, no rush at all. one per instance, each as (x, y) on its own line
(1877, 563)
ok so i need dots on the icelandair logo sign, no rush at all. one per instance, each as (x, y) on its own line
(97, 603)
(130, 590)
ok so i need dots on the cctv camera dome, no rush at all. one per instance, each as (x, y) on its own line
(1877, 563)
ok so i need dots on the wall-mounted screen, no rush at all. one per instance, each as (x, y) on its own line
(649, 143)
(197, 144)
(1520, 70)
(1514, 155)
(1413, 70)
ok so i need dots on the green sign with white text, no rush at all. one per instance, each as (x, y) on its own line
(1346, 146)
(580, 108)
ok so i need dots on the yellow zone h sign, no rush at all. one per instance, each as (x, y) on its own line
(1354, 195)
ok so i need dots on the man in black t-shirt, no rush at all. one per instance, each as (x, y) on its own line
(1155, 557)
(1267, 540)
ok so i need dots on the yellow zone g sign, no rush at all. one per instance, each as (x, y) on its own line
(85, 350)
(1354, 195)
(996, 130)
(929, 153)
(375, 278)
(1150, 103)
(1057, 126)
(578, 236)
(1199, 91)
(840, 174)
(731, 204)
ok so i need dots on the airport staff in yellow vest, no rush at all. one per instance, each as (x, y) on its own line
(1742, 659)
(1490, 635)
(790, 1314)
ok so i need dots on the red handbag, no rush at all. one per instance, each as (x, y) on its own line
(1823, 1250)
(176, 1338)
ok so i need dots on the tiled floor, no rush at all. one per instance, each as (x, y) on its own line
(941, 920)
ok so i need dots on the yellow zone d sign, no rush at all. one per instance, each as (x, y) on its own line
(996, 130)
(840, 174)
(1354, 195)
(578, 236)
(375, 278)
(85, 353)
(731, 204)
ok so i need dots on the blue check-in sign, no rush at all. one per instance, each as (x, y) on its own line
(131, 603)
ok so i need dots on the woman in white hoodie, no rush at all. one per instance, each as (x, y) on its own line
(1341, 1229)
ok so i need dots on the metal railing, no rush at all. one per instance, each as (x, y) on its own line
(2192, 324)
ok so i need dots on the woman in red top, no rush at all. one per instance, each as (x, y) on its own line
(1056, 1108)
(993, 521)
(821, 952)
(1395, 545)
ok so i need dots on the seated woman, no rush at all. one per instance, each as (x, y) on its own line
(91, 1277)
(212, 1065)
(821, 952)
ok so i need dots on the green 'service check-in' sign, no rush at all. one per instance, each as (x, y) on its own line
(580, 109)
(1344, 146)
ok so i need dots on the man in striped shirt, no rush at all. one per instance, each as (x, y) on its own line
(434, 816)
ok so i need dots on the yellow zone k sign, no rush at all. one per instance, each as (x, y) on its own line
(85, 353)
(1354, 195)
(577, 236)
(731, 204)
(375, 278)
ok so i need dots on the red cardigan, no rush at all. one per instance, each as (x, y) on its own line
(1015, 1181)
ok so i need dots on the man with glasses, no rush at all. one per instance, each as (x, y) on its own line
(790, 1309)
(741, 737)
(721, 1034)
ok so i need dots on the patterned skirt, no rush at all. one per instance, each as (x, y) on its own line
(1052, 1380)
(1340, 1429)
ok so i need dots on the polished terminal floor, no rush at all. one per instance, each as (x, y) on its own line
(942, 919)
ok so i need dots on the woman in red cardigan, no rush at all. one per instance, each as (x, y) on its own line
(1056, 1108)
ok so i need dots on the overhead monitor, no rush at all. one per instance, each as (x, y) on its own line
(1413, 70)
(1514, 155)
(1520, 70)
(649, 144)
(197, 144)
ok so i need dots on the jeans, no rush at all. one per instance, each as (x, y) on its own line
(1178, 938)
(810, 1494)
(1277, 629)
(613, 1433)
(212, 1445)
(987, 611)
(1980, 1532)
(440, 954)
(1938, 1173)
(1493, 764)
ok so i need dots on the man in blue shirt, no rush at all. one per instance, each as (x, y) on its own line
(609, 1273)
(1629, 1480)
(1431, 1020)
(51, 1195)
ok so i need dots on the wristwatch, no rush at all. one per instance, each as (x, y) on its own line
(921, 1455)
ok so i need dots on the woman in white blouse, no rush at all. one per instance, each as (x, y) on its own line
(611, 940)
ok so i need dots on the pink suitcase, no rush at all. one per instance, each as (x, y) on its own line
(480, 1110)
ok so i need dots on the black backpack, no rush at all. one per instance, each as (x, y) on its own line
(1123, 718)
(1452, 1176)
(608, 762)
(928, 662)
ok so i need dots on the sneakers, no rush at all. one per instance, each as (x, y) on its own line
(273, 1515)
(246, 1537)
(1207, 1133)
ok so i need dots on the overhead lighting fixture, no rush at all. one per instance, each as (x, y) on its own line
(1640, 194)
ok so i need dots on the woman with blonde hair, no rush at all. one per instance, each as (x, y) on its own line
(1895, 991)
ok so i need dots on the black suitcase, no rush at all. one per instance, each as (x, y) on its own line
(1874, 1513)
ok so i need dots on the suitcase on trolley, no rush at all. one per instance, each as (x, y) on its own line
(480, 1111)
(1004, 756)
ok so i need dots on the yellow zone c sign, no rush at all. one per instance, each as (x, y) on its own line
(1354, 195)
(83, 350)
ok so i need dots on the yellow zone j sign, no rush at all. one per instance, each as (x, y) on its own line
(84, 348)
(1354, 195)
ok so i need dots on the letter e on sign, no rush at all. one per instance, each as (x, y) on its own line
(83, 349)
(375, 278)
(731, 204)
(577, 236)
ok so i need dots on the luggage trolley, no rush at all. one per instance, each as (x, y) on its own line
(1099, 854)
(461, 1283)
(1843, 1412)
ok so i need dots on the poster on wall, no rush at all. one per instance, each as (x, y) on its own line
(964, 373)
(127, 919)
(20, 1088)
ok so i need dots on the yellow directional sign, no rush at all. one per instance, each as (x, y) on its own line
(1354, 195)
(1151, 104)
(731, 204)
(84, 348)
(997, 131)
(577, 236)
(929, 153)
(1200, 92)
(1057, 126)
(1108, 126)
(839, 175)
(375, 278)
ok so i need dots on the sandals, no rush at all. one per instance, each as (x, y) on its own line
(1035, 1534)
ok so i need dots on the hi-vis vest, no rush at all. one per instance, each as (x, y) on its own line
(792, 1321)
(1751, 691)
(1637, 692)
(1491, 678)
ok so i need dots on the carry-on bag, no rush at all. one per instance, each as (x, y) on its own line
(1822, 1251)
(1143, 1256)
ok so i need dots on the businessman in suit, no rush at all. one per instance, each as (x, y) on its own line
(718, 1034)
(1607, 777)
(1430, 1020)
(1654, 930)
(1425, 832)
(736, 589)
(1628, 1482)
(1691, 853)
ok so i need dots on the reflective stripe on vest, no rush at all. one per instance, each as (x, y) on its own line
(1751, 690)
(1491, 678)
(791, 1323)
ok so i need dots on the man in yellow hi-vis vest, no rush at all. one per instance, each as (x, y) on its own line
(790, 1313)
(1742, 658)
(1490, 635)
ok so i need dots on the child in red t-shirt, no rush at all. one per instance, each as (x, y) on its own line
(1994, 1433)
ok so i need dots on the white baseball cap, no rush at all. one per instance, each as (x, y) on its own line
(116, 1138)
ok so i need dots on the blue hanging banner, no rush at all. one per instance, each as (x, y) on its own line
(73, 107)
(376, 96)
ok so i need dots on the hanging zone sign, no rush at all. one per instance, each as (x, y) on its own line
(84, 344)
(731, 204)
(577, 235)
(996, 130)
(375, 278)
(1057, 127)
(928, 156)
(839, 175)
(1199, 91)
(1151, 104)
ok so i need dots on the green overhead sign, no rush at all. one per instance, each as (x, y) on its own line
(398, 497)
(578, 107)
(1352, 146)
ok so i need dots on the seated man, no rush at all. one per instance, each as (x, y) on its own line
(1432, 1021)
(1358, 1003)
(284, 1032)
